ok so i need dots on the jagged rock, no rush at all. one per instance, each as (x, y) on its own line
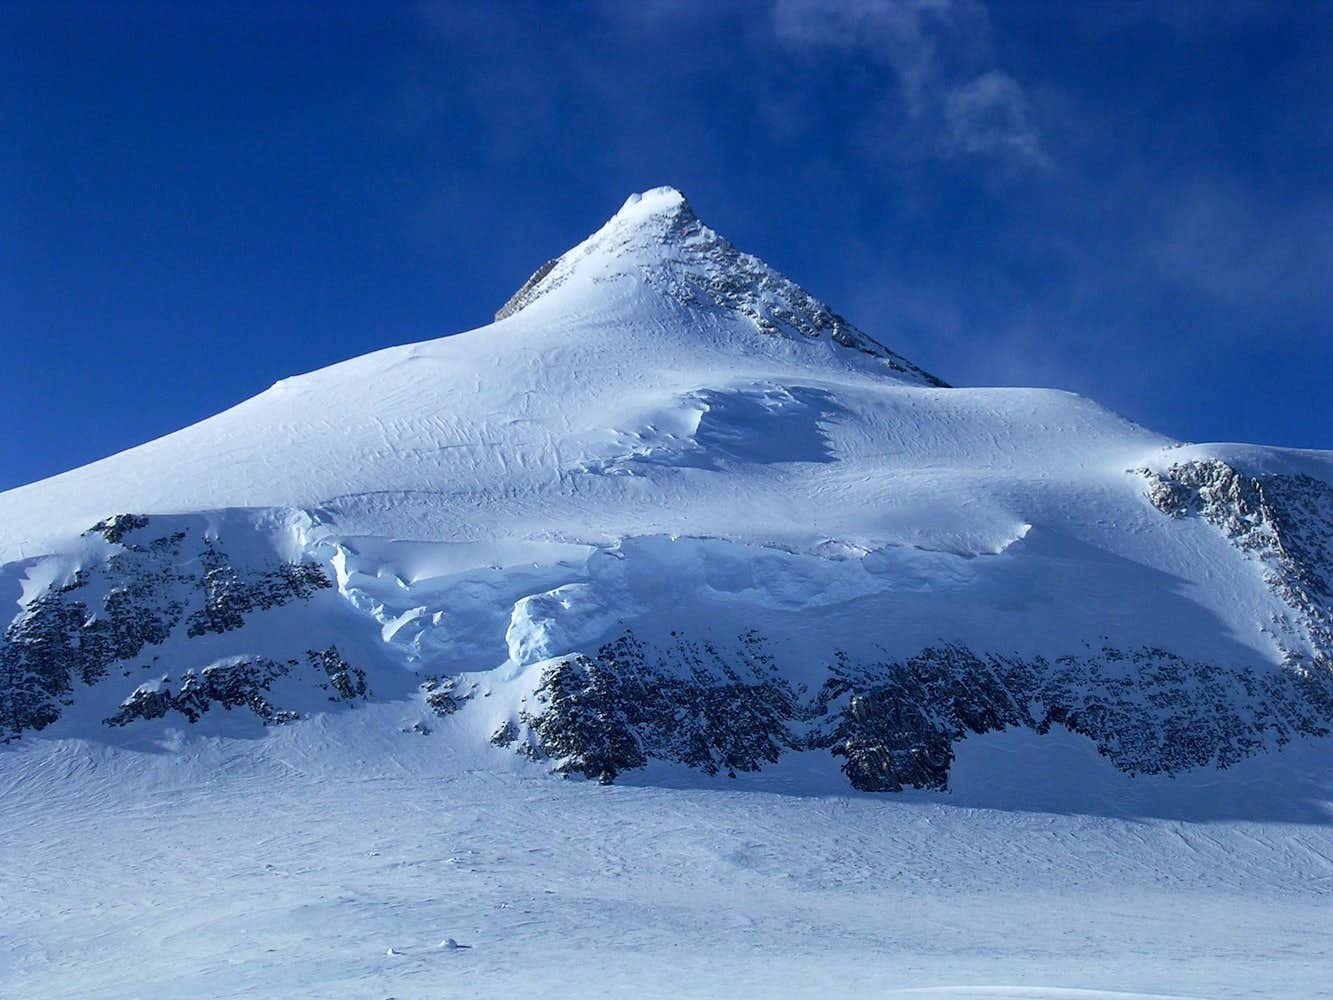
(901, 719)
(116, 527)
(147, 702)
(583, 721)
(110, 612)
(1283, 522)
(67, 635)
(444, 695)
(895, 723)
(528, 292)
(240, 683)
(348, 681)
(602, 714)
(229, 596)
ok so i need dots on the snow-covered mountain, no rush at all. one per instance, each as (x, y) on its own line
(669, 507)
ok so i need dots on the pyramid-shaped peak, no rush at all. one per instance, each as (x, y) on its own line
(656, 242)
(657, 218)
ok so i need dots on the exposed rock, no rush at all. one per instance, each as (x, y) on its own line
(348, 681)
(240, 683)
(1283, 522)
(444, 695)
(527, 293)
(230, 595)
(584, 720)
(601, 714)
(116, 527)
(708, 271)
(73, 632)
(147, 702)
(895, 723)
(900, 720)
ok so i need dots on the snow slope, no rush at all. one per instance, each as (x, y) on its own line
(514, 424)
(673, 522)
(240, 869)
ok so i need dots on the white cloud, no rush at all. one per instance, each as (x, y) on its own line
(1238, 247)
(898, 32)
(989, 115)
(939, 54)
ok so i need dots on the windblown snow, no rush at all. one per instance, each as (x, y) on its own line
(670, 521)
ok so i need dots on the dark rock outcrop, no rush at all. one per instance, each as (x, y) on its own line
(895, 723)
(241, 683)
(229, 594)
(527, 293)
(116, 527)
(444, 695)
(1283, 522)
(113, 611)
(348, 682)
(73, 632)
(608, 712)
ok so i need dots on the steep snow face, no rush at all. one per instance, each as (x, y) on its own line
(671, 507)
(656, 239)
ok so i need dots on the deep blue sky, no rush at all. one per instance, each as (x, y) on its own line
(1129, 200)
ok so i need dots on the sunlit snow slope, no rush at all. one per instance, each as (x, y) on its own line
(669, 507)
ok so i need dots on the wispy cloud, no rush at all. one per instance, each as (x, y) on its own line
(901, 33)
(939, 53)
(1235, 246)
(989, 116)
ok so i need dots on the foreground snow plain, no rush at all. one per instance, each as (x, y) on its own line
(274, 868)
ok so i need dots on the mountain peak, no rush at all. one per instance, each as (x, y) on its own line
(657, 240)
(654, 201)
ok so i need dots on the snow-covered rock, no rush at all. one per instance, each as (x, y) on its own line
(671, 507)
